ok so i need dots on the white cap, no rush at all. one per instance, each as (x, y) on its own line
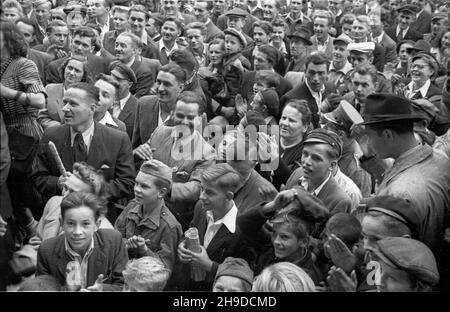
(363, 47)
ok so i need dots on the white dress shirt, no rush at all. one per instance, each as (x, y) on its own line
(229, 220)
(87, 136)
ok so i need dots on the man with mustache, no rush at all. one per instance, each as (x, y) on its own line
(80, 138)
(181, 147)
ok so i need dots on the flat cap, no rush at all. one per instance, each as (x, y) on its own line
(236, 33)
(429, 59)
(424, 108)
(362, 47)
(157, 169)
(236, 12)
(411, 256)
(439, 16)
(345, 115)
(399, 209)
(412, 9)
(343, 38)
(123, 70)
(236, 267)
(421, 45)
(321, 135)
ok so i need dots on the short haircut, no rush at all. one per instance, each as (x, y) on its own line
(317, 58)
(268, 78)
(364, 19)
(135, 40)
(176, 21)
(347, 19)
(175, 70)
(28, 22)
(283, 277)
(302, 107)
(82, 199)
(108, 3)
(94, 178)
(52, 25)
(265, 26)
(324, 14)
(41, 283)
(399, 127)
(85, 31)
(146, 274)
(111, 81)
(217, 41)
(222, 175)
(209, 4)
(62, 68)
(346, 227)
(392, 226)
(278, 23)
(299, 227)
(139, 8)
(38, 3)
(185, 59)
(10, 4)
(119, 9)
(197, 25)
(190, 97)
(91, 90)
(270, 52)
(366, 69)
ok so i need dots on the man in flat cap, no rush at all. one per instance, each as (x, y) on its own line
(406, 265)
(423, 17)
(418, 174)
(342, 121)
(439, 21)
(403, 30)
(321, 151)
(246, 18)
(146, 224)
(125, 108)
(233, 275)
(236, 18)
(296, 17)
(340, 66)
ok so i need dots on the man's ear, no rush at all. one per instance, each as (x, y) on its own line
(162, 192)
(230, 195)
(371, 59)
(97, 223)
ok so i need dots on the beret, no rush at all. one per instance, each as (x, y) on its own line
(236, 33)
(235, 267)
(411, 256)
(157, 169)
(321, 135)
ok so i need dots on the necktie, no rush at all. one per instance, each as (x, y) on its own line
(400, 36)
(79, 148)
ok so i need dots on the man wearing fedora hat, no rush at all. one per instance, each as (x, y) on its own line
(300, 44)
(418, 174)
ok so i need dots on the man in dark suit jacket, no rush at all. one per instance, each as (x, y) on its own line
(422, 24)
(82, 139)
(202, 14)
(315, 75)
(404, 30)
(95, 64)
(218, 244)
(146, 121)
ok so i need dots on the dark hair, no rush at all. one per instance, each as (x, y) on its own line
(347, 19)
(85, 31)
(399, 127)
(27, 21)
(399, 45)
(111, 81)
(197, 25)
(366, 69)
(139, 8)
(176, 21)
(62, 68)
(185, 59)
(266, 26)
(267, 76)
(270, 52)
(52, 25)
(192, 97)
(438, 41)
(278, 23)
(14, 39)
(82, 199)
(346, 227)
(317, 58)
(302, 107)
(175, 70)
(91, 90)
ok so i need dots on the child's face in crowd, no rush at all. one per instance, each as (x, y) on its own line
(259, 86)
(79, 226)
(372, 231)
(107, 96)
(228, 284)
(145, 190)
(232, 44)
(287, 246)
(212, 197)
(358, 3)
(215, 54)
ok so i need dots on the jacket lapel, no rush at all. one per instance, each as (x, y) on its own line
(60, 251)
(127, 109)
(218, 240)
(95, 148)
(66, 152)
(201, 226)
(97, 262)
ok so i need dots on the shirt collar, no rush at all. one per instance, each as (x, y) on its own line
(347, 67)
(404, 31)
(108, 120)
(144, 37)
(87, 134)
(161, 46)
(153, 216)
(229, 219)
(380, 37)
(423, 90)
(316, 192)
(313, 92)
(124, 101)
(131, 62)
(73, 253)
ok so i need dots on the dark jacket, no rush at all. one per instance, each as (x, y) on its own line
(411, 34)
(5, 163)
(128, 114)
(109, 258)
(146, 121)
(423, 23)
(109, 151)
(248, 80)
(42, 60)
(146, 71)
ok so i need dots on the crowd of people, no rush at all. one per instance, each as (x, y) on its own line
(225, 145)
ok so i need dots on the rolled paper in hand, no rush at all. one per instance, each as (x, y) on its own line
(193, 244)
(58, 160)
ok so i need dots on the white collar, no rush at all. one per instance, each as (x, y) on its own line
(420, 12)
(162, 45)
(131, 62)
(144, 37)
(87, 135)
(229, 219)
(282, 48)
(380, 37)
(423, 90)
(347, 67)
(316, 192)
(108, 120)
(404, 31)
(313, 92)
(124, 101)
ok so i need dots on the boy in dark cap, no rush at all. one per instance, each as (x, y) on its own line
(233, 275)
(146, 224)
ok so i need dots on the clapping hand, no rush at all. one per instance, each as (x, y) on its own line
(338, 281)
(241, 105)
(144, 151)
(98, 285)
(339, 254)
